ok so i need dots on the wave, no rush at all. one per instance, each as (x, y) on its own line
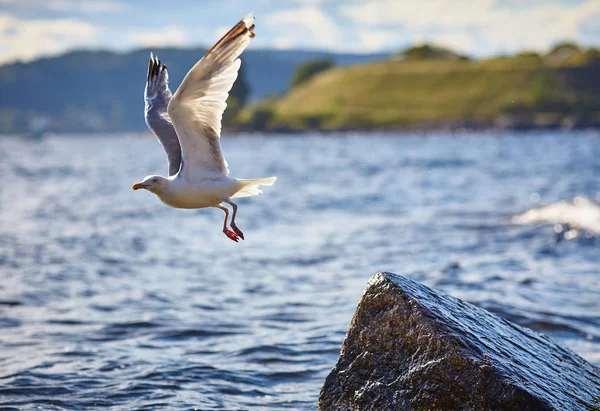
(580, 213)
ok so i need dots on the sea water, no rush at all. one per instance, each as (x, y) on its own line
(111, 300)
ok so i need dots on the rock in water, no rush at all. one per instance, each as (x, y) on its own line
(410, 347)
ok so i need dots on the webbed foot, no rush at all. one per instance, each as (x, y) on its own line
(232, 236)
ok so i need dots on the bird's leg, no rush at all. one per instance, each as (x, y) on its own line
(233, 236)
(237, 230)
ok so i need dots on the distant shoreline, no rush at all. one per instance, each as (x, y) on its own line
(432, 128)
(467, 126)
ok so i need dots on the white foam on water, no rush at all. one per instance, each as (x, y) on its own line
(579, 213)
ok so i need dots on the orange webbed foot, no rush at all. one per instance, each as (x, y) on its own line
(232, 236)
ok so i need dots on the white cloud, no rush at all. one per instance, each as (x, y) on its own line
(159, 37)
(85, 6)
(27, 39)
(417, 14)
(306, 26)
(481, 26)
(283, 44)
(310, 2)
(370, 40)
(67, 6)
(478, 27)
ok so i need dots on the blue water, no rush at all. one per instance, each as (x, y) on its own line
(110, 300)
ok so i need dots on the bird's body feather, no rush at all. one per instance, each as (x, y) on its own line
(204, 193)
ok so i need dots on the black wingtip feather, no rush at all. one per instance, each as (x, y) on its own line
(155, 67)
(150, 65)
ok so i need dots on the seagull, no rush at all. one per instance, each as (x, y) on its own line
(188, 126)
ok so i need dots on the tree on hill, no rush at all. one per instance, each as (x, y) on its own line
(428, 52)
(310, 68)
(568, 52)
(564, 47)
(530, 54)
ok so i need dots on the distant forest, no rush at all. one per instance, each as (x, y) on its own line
(103, 91)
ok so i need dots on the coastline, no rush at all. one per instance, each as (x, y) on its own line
(500, 124)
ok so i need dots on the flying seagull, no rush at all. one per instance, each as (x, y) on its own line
(188, 125)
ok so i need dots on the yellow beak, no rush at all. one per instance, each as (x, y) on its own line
(137, 186)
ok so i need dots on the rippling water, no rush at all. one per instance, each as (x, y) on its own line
(110, 300)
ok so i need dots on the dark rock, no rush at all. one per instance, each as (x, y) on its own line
(413, 348)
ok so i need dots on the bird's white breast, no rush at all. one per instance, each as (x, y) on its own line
(204, 193)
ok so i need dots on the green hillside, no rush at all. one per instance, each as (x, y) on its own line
(561, 88)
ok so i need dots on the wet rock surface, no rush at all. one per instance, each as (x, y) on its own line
(410, 347)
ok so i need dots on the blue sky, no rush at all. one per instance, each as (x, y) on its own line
(33, 28)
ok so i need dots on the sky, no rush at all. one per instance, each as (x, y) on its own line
(33, 28)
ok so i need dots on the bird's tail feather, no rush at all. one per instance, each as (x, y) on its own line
(251, 187)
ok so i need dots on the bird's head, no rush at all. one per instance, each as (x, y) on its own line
(154, 184)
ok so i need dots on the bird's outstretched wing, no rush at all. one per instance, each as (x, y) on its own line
(197, 107)
(157, 97)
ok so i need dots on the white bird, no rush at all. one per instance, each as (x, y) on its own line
(188, 125)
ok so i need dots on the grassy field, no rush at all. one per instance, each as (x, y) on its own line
(525, 90)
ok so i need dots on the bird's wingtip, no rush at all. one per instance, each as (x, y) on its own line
(150, 67)
(249, 19)
(249, 22)
(155, 68)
